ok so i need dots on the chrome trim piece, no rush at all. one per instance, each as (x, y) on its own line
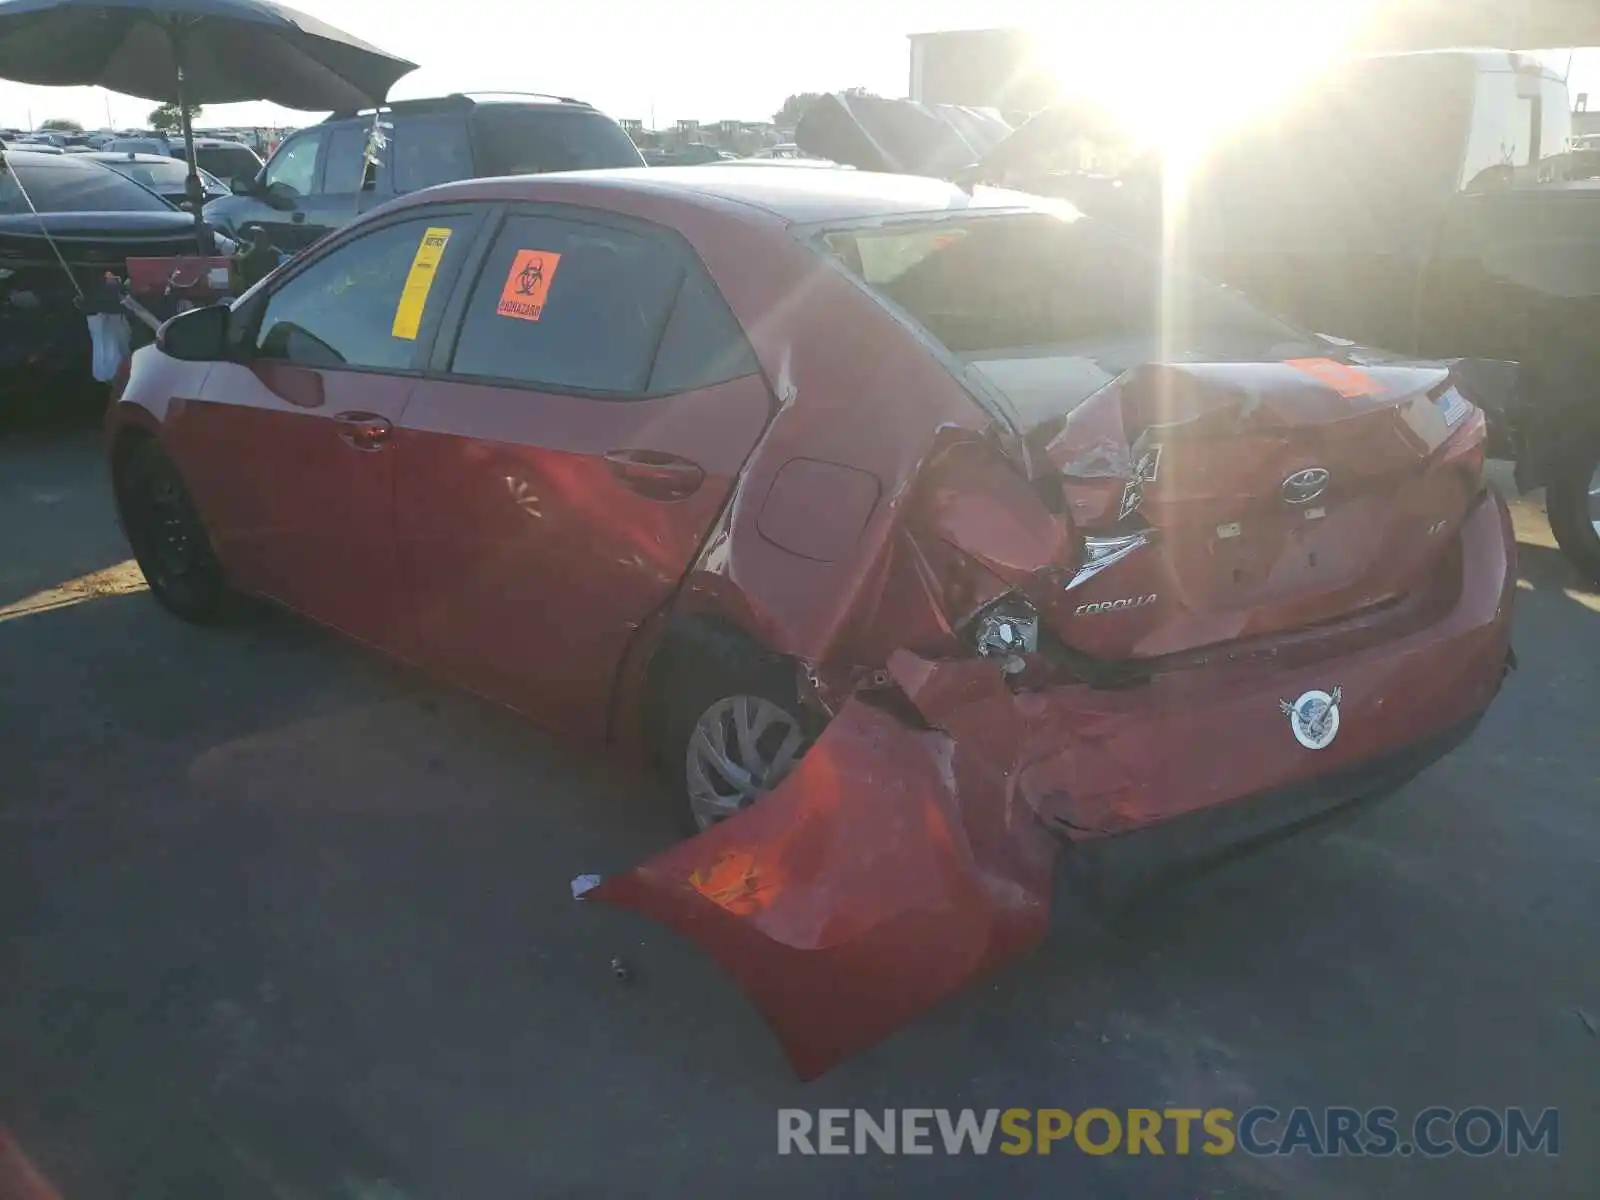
(1102, 552)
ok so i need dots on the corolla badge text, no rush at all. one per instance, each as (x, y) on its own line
(1304, 486)
(1106, 606)
(1314, 718)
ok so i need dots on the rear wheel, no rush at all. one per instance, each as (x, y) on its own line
(168, 538)
(1573, 500)
(729, 725)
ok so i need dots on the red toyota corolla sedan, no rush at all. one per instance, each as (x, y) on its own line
(914, 533)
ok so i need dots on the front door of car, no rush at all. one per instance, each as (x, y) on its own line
(291, 450)
(286, 185)
(340, 196)
(562, 467)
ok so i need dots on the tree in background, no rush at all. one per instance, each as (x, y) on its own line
(794, 108)
(169, 118)
(61, 125)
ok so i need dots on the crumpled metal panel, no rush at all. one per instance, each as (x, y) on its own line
(888, 871)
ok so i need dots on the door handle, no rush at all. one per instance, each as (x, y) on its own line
(298, 217)
(364, 430)
(654, 475)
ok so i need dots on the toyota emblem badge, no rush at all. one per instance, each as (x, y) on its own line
(1305, 486)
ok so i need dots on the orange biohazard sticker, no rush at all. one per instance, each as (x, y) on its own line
(1348, 381)
(527, 284)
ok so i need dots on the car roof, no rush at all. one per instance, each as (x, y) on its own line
(25, 156)
(468, 102)
(136, 156)
(819, 195)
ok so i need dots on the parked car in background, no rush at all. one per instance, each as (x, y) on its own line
(224, 158)
(143, 144)
(693, 155)
(164, 176)
(898, 522)
(319, 179)
(96, 220)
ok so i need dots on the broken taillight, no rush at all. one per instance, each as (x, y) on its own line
(1466, 449)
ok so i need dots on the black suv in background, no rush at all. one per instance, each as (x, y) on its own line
(319, 179)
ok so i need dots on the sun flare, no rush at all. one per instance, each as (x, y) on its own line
(1178, 73)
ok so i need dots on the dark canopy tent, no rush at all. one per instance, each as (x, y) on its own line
(190, 52)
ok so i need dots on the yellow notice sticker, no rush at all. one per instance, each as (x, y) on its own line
(414, 297)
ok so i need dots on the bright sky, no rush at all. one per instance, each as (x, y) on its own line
(716, 59)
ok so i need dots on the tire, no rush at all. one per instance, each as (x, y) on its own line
(707, 681)
(169, 539)
(1571, 518)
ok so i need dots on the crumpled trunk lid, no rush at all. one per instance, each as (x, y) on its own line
(1268, 496)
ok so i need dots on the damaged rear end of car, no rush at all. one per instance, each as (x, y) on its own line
(1120, 550)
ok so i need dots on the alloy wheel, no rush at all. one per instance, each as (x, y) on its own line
(1594, 499)
(171, 535)
(741, 748)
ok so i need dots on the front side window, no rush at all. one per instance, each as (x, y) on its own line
(364, 304)
(570, 306)
(293, 168)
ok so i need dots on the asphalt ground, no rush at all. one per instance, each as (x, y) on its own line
(281, 919)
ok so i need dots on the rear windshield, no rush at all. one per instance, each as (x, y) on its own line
(66, 185)
(227, 162)
(136, 146)
(530, 141)
(1034, 282)
(165, 176)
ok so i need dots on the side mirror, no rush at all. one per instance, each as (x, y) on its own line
(242, 185)
(199, 335)
(279, 196)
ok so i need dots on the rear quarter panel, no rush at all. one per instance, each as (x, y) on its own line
(856, 390)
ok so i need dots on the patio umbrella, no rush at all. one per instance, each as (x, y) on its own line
(188, 52)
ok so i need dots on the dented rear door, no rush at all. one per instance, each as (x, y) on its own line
(562, 469)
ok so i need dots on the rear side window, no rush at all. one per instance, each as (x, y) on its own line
(570, 307)
(429, 151)
(531, 140)
(703, 344)
(363, 304)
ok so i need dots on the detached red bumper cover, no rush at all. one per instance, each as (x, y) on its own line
(895, 865)
(884, 874)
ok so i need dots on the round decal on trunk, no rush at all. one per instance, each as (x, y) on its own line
(1314, 718)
